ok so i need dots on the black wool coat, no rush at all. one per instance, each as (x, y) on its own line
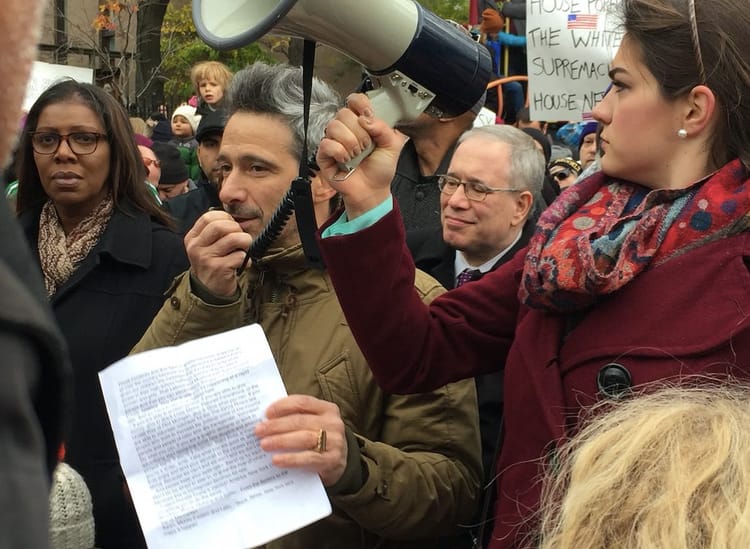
(103, 310)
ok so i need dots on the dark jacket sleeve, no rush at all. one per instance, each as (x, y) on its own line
(514, 10)
(33, 392)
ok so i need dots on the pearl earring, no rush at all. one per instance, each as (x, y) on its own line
(682, 133)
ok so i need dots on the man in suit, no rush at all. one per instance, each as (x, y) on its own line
(486, 205)
(486, 200)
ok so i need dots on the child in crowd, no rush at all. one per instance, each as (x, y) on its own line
(211, 79)
(184, 123)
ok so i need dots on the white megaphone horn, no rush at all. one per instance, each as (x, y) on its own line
(417, 60)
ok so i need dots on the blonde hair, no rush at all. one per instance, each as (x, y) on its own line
(139, 126)
(211, 70)
(669, 469)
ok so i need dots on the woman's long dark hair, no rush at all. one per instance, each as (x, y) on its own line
(127, 174)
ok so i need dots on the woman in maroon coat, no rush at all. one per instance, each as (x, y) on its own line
(639, 273)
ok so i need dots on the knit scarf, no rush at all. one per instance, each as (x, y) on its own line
(60, 254)
(601, 233)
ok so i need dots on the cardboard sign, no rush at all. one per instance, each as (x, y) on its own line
(570, 44)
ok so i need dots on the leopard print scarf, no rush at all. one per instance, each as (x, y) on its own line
(60, 254)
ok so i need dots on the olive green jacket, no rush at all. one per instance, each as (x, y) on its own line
(414, 468)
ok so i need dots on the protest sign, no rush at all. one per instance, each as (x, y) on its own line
(570, 44)
(43, 75)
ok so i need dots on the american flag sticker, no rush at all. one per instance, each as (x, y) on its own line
(586, 116)
(582, 21)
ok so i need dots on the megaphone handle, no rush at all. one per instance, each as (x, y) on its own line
(391, 104)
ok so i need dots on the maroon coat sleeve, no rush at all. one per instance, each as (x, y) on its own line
(409, 346)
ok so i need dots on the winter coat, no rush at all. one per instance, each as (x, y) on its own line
(421, 453)
(687, 316)
(102, 310)
(34, 392)
(189, 154)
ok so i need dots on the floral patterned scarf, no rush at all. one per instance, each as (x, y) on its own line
(601, 233)
(59, 253)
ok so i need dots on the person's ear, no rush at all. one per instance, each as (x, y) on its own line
(524, 202)
(700, 109)
(321, 190)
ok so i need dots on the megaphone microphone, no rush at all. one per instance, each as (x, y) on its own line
(418, 62)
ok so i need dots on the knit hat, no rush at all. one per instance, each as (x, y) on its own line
(211, 122)
(144, 141)
(189, 113)
(543, 141)
(492, 21)
(588, 127)
(162, 132)
(572, 133)
(173, 169)
(566, 162)
(71, 514)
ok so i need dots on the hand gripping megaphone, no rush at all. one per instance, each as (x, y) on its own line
(417, 60)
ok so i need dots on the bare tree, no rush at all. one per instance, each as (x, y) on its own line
(121, 40)
(148, 80)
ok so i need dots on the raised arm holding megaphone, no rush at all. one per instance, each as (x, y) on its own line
(417, 60)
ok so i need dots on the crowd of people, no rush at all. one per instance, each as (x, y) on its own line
(527, 334)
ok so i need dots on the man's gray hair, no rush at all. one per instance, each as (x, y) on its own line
(276, 90)
(526, 161)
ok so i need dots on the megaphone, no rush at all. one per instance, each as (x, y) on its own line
(417, 60)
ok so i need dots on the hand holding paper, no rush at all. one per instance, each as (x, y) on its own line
(183, 422)
(292, 429)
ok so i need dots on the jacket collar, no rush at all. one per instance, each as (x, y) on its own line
(127, 240)
(283, 262)
(288, 267)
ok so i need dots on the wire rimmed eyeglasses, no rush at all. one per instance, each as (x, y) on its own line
(474, 190)
(79, 142)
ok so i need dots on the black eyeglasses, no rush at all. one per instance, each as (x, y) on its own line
(474, 190)
(79, 142)
(562, 174)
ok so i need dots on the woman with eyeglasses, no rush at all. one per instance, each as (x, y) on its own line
(638, 273)
(107, 254)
